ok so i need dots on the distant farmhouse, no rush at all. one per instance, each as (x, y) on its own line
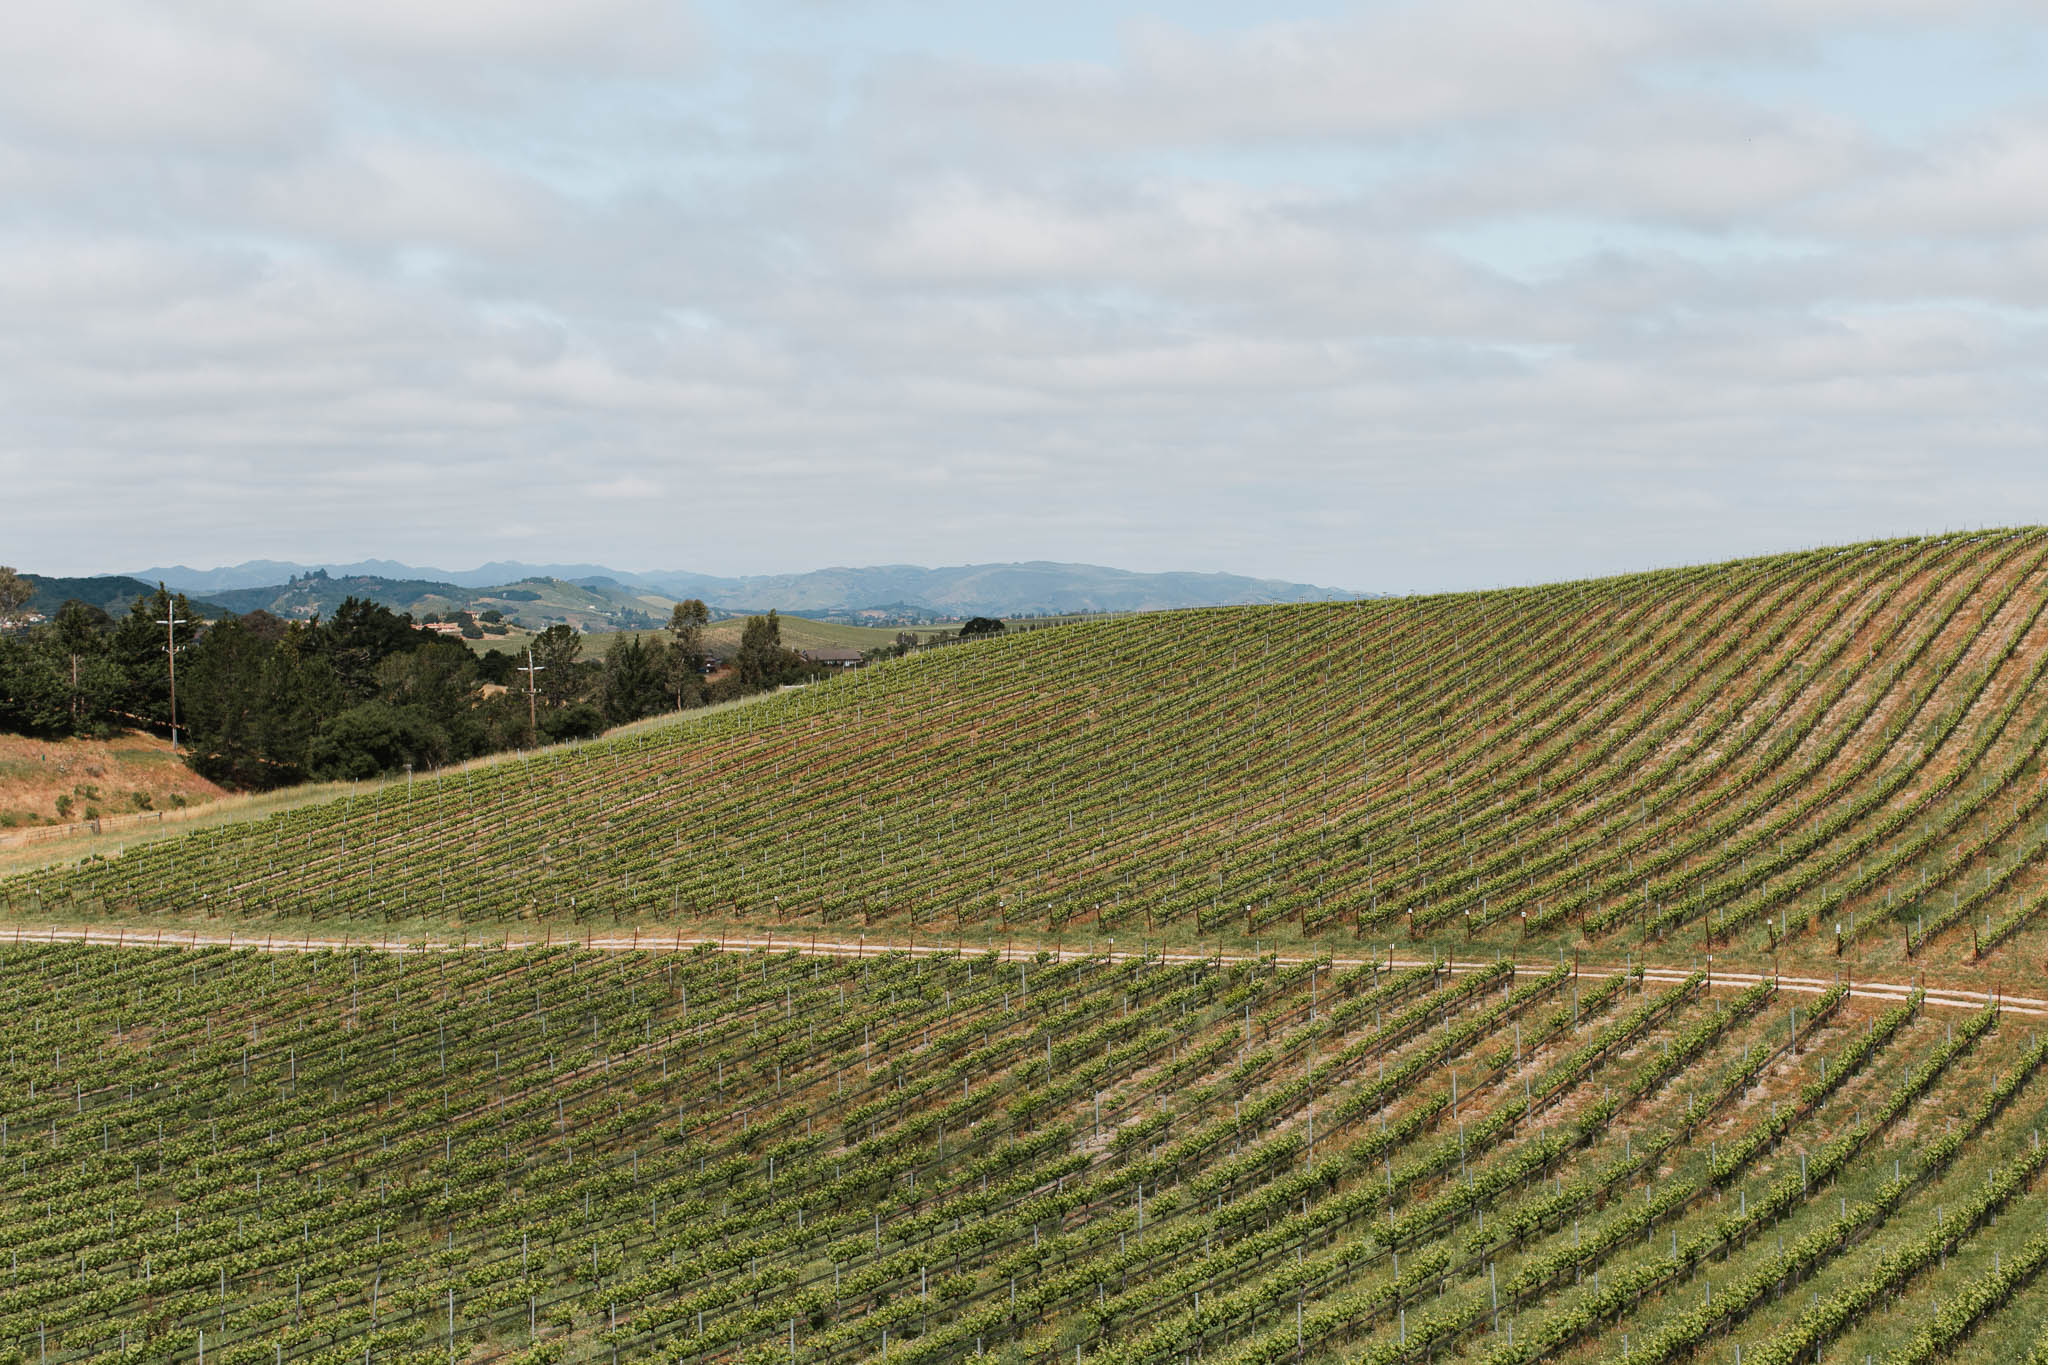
(834, 658)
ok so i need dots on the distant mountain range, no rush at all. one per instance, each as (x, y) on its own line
(1025, 589)
(263, 573)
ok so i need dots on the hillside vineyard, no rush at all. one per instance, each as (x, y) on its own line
(1836, 751)
(559, 1155)
(1390, 981)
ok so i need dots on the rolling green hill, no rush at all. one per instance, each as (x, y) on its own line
(536, 603)
(111, 595)
(1739, 755)
(1491, 1100)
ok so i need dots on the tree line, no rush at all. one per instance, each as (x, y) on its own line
(265, 702)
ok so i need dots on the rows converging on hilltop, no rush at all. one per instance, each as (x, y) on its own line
(1840, 748)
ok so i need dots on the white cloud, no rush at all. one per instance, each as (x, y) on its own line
(396, 192)
(463, 30)
(135, 77)
(1986, 179)
(1254, 297)
(1405, 68)
(627, 488)
(1192, 232)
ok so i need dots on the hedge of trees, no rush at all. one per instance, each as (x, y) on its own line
(264, 702)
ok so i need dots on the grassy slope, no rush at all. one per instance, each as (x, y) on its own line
(554, 599)
(1839, 736)
(101, 776)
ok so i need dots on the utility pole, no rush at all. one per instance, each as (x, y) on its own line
(170, 624)
(531, 668)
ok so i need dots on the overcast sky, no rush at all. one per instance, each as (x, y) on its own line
(1379, 296)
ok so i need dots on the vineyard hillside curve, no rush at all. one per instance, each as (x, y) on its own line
(491, 1153)
(1821, 762)
(1639, 969)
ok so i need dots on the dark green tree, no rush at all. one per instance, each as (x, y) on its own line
(577, 720)
(439, 680)
(34, 697)
(686, 650)
(635, 681)
(220, 701)
(374, 738)
(138, 648)
(266, 627)
(557, 650)
(14, 594)
(496, 666)
(762, 662)
(361, 635)
(77, 635)
(502, 720)
(299, 693)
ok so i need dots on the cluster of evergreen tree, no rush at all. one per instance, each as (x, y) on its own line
(264, 702)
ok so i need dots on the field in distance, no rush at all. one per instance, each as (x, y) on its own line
(724, 637)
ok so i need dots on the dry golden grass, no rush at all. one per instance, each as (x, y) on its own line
(106, 776)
